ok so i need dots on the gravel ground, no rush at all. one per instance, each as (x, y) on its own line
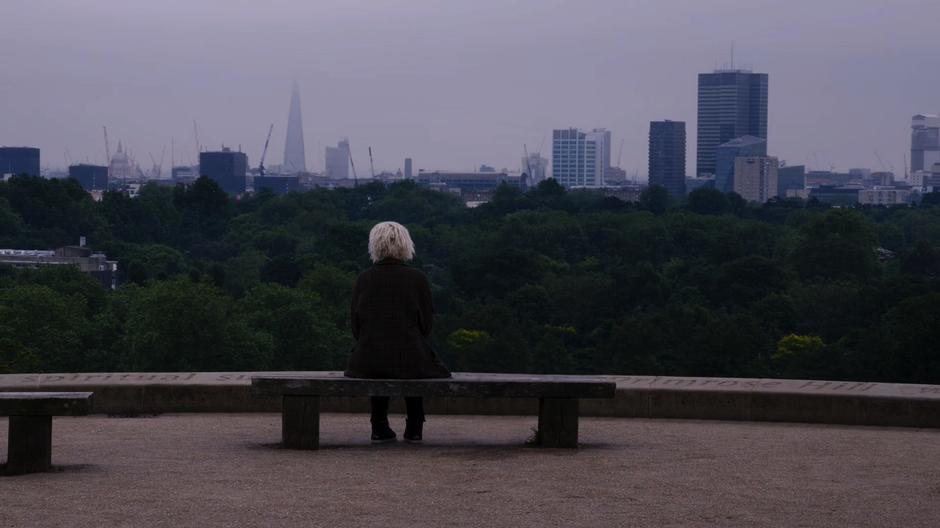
(227, 470)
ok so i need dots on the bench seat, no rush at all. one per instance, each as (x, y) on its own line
(558, 398)
(29, 449)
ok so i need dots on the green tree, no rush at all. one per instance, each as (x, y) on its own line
(804, 356)
(471, 349)
(708, 201)
(839, 243)
(913, 327)
(655, 199)
(304, 334)
(40, 330)
(180, 325)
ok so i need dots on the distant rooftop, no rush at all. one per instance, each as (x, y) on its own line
(743, 141)
(733, 70)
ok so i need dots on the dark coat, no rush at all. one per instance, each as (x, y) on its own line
(391, 321)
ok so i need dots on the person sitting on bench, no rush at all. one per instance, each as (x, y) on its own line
(391, 322)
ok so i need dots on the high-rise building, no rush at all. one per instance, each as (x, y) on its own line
(605, 135)
(731, 104)
(578, 157)
(337, 160)
(227, 168)
(408, 174)
(295, 160)
(19, 160)
(755, 177)
(746, 146)
(91, 177)
(925, 142)
(791, 178)
(667, 155)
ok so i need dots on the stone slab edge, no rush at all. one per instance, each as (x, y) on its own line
(811, 401)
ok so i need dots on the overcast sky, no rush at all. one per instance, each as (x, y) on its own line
(457, 83)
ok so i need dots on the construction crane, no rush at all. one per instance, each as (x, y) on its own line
(353, 165)
(107, 150)
(371, 164)
(880, 161)
(157, 171)
(265, 151)
(528, 166)
(524, 182)
(196, 136)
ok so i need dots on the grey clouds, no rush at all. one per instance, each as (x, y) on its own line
(457, 83)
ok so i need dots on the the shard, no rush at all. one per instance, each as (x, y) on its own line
(294, 158)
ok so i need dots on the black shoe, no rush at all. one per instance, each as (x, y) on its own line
(413, 431)
(383, 434)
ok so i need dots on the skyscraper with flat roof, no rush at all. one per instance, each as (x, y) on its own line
(227, 168)
(667, 155)
(605, 136)
(578, 157)
(337, 160)
(295, 159)
(91, 177)
(755, 177)
(408, 174)
(19, 160)
(731, 104)
(925, 142)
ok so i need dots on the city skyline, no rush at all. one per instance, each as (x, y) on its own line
(367, 73)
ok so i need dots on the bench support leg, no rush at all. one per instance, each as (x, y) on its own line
(300, 422)
(558, 422)
(30, 445)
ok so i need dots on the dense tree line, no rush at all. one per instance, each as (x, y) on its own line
(539, 281)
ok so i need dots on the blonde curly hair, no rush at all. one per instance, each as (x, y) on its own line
(390, 240)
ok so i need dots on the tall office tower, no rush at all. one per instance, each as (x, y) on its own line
(925, 142)
(605, 134)
(337, 160)
(731, 104)
(755, 178)
(667, 155)
(92, 177)
(408, 174)
(227, 168)
(728, 152)
(578, 157)
(295, 160)
(20, 160)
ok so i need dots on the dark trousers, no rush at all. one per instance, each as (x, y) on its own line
(413, 404)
